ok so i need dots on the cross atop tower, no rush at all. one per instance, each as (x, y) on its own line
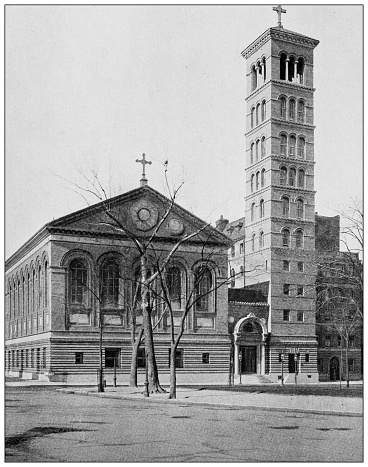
(279, 10)
(144, 163)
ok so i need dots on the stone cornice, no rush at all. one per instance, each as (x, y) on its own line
(279, 34)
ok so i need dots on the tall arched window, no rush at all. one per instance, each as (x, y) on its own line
(283, 175)
(78, 282)
(46, 290)
(110, 284)
(292, 175)
(29, 292)
(252, 153)
(300, 70)
(299, 238)
(301, 148)
(254, 78)
(282, 101)
(253, 241)
(261, 239)
(263, 111)
(301, 178)
(263, 177)
(33, 291)
(283, 65)
(283, 145)
(23, 295)
(286, 238)
(261, 208)
(301, 109)
(252, 183)
(39, 292)
(257, 181)
(252, 117)
(263, 147)
(252, 209)
(299, 208)
(292, 144)
(285, 206)
(257, 149)
(174, 286)
(257, 114)
(202, 289)
(292, 109)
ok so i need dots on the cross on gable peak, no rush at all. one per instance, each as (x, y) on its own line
(279, 11)
(144, 163)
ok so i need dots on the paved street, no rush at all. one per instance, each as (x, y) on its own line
(43, 424)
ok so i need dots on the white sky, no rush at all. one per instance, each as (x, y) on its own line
(93, 87)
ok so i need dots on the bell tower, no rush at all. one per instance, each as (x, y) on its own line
(280, 196)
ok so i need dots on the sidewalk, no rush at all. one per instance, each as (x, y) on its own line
(347, 406)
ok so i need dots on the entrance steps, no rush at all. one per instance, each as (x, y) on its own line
(252, 379)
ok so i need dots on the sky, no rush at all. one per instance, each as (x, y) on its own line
(91, 88)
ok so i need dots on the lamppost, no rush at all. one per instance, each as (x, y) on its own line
(240, 366)
(282, 368)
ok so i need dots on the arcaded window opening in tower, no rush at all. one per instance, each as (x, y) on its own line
(292, 176)
(252, 209)
(285, 206)
(252, 183)
(300, 70)
(299, 208)
(257, 181)
(264, 68)
(299, 239)
(286, 238)
(282, 101)
(283, 145)
(283, 175)
(263, 177)
(283, 58)
(257, 149)
(301, 177)
(261, 239)
(253, 241)
(292, 109)
(291, 69)
(263, 147)
(257, 114)
(261, 208)
(254, 77)
(301, 148)
(301, 110)
(263, 111)
(292, 144)
(252, 153)
(252, 117)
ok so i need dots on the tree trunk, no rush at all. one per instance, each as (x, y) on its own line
(347, 363)
(172, 372)
(133, 382)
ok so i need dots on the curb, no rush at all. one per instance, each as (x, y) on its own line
(207, 404)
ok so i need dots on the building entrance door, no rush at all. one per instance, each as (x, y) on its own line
(291, 363)
(249, 363)
(334, 369)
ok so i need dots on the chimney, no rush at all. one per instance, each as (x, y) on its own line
(221, 223)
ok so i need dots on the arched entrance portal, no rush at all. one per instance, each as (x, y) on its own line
(249, 336)
(334, 369)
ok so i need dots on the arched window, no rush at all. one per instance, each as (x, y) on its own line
(263, 147)
(300, 70)
(29, 292)
(252, 209)
(110, 284)
(299, 238)
(261, 239)
(283, 144)
(292, 109)
(39, 292)
(257, 114)
(283, 65)
(202, 289)
(257, 149)
(34, 291)
(24, 295)
(253, 241)
(299, 208)
(282, 101)
(174, 286)
(252, 183)
(257, 181)
(301, 178)
(285, 206)
(263, 111)
(283, 175)
(18, 297)
(252, 117)
(301, 148)
(77, 282)
(252, 153)
(301, 109)
(45, 285)
(292, 175)
(263, 177)
(292, 144)
(261, 208)
(264, 69)
(254, 78)
(286, 238)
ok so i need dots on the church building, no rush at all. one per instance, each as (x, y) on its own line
(79, 272)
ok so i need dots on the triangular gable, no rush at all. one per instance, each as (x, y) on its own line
(140, 211)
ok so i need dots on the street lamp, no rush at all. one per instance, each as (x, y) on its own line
(240, 365)
(146, 394)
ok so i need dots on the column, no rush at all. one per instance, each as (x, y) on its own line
(287, 69)
(236, 359)
(296, 71)
(262, 358)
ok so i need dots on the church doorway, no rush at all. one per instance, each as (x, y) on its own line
(249, 360)
(334, 369)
